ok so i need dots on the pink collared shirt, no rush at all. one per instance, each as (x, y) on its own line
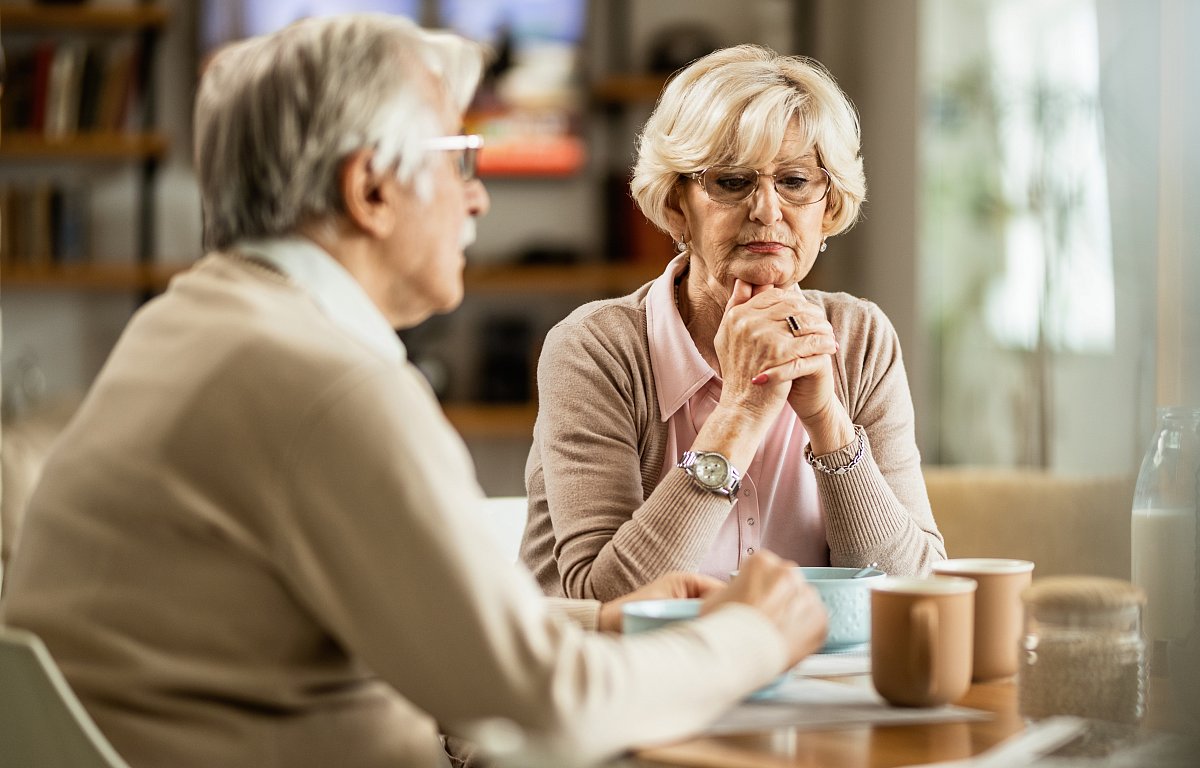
(777, 506)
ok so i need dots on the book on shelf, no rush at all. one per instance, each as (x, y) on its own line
(16, 101)
(36, 218)
(44, 224)
(60, 88)
(69, 219)
(91, 80)
(43, 58)
(118, 86)
(64, 89)
(7, 217)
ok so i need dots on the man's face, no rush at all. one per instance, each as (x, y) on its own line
(425, 250)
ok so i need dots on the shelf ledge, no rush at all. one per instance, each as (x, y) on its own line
(99, 277)
(83, 146)
(100, 18)
(484, 420)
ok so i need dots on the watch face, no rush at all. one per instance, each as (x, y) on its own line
(712, 470)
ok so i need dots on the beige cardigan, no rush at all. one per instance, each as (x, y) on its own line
(600, 523)
(257, 544)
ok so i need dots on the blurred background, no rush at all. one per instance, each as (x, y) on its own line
(1032, 229)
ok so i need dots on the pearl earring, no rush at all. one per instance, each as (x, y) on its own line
(824, 245)
(680, 247)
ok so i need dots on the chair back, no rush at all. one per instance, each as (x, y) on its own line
(1065, 524)
(42, 723)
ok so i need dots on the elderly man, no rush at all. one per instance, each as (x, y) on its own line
(256, 544)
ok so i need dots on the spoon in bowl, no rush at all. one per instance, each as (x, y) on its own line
(864, 571)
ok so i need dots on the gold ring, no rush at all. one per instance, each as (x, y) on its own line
(794, 326)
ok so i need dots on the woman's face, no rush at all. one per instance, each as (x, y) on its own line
(763, 240)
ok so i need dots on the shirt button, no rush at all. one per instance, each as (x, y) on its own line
(746, 493)
(749, 550)
(750, 521)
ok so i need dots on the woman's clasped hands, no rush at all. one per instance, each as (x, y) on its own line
(767, 358)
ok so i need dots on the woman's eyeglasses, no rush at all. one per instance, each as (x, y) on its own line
(731, 184)
(466, 148)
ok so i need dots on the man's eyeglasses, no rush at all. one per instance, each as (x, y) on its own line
(466, 148)
(731, 184)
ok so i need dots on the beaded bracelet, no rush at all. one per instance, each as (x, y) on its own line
(817, 464)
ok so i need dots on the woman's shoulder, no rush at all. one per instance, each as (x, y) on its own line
(608, 335)
(620, 318)
(844, 307)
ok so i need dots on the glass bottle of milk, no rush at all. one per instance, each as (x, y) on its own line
(1165, 544)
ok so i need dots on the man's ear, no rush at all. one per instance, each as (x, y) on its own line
(367, 195)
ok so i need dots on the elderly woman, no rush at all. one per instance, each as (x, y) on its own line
(720, 409)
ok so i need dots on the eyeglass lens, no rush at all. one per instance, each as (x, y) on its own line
(468, 163)
(733, 184)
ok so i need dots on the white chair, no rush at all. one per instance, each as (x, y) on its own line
(42, 724)
(506, 518)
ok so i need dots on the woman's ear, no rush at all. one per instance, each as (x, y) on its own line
(367, 195)
(832, 209)
(677, 219)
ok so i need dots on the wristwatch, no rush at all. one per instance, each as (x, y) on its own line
(711, 471)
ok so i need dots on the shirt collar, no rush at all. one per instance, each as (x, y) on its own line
(335, 291)
(679, 369)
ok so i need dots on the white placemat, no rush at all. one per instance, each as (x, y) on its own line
(806, 703)
(856, 661)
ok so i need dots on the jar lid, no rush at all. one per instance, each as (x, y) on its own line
(1092, 600)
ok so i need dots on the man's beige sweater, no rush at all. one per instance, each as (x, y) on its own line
(258, 544)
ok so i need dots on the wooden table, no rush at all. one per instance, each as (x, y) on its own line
(863, 746)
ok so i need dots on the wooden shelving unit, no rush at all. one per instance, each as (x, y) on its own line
(142, 146)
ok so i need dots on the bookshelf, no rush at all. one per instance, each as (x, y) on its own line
(80, 94)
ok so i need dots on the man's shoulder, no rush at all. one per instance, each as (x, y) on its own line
(255, 323)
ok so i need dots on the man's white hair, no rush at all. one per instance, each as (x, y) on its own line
(276, 116)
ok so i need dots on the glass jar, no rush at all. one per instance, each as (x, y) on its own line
(1083, 652)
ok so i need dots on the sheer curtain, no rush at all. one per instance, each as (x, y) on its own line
(1040, 168)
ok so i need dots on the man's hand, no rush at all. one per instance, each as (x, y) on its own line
(771, 585)
(675, 584)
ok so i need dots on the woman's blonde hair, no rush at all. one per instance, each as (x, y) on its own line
(732, 107)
